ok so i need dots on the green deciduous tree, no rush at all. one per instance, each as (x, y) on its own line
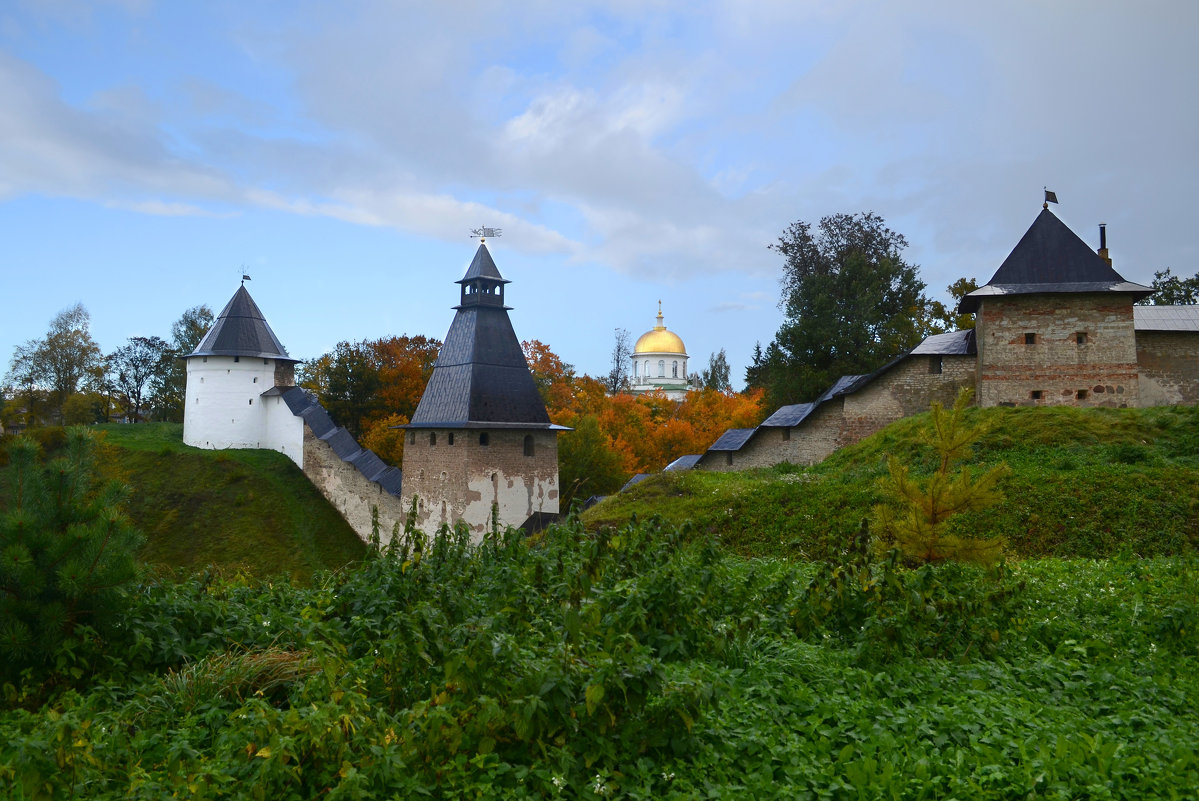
(587, 463)
(850, 302)
(61, 361)
(66, 548)
(168, 388)
(918, 510)
(1171, 290)
(135, 366)
(362, 384)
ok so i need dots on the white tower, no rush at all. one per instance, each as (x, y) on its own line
(234, 381)
(659, 362)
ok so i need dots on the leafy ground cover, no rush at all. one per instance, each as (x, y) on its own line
(640, 662)
(1082, 483)
(249, 511)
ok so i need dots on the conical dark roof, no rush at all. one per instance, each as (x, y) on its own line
(482, 266)
(241, 330)
(1051, 258)
(481, 379)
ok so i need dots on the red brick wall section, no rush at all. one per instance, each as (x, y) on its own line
(1099, 371)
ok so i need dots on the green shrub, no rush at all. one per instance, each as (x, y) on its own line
(882, 610)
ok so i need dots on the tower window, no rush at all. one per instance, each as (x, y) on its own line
(1080, 338)
(674, 369)
(484, 440)
(1036, 394)
(251, 402)
(786, 435)
(255, 381)
(1030, 339)
(451, 437)
(935, 365)
(661, 368)
(728, 458)
(1081, 394)
(432, 437)
(237, 358)
(528, 444)
(206, 360)
(411, 437)
(635, 370)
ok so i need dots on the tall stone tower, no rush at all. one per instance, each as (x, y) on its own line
(1054, 324)
(234, 380)
(480, 447)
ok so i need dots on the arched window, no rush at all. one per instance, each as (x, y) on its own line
(661, 368)
(635, 369)
(484, 440)
(528, 444)
(645, 372)
(674, 369)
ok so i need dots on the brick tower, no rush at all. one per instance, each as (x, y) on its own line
(1055, 324)
(480, 447)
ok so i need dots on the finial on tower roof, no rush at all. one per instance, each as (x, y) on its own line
(1050, 197)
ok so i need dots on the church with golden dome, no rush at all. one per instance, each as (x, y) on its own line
(660, 363)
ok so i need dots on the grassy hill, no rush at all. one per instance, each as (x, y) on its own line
(238, 510)
(1089, 483)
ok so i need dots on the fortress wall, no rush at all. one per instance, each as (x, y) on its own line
(1168, 365)
(351, 493)
(908, 388)
(1056, 368)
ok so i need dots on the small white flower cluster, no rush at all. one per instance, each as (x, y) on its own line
(598, 787)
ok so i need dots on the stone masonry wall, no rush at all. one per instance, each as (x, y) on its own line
(351, 493)
(1082, 351)
(1168, 362)
(906, 389)
(456, 477)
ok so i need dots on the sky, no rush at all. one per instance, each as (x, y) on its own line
(630, 151)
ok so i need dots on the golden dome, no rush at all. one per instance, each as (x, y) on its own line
(659, 340)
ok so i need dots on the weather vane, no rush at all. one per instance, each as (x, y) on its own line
(482, 233)
(244, 275)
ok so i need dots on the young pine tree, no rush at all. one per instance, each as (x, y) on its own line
(915, 518)
(66, 548)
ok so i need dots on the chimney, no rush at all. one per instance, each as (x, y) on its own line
(1103, 244)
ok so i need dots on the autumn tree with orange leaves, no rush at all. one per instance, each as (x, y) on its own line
(373, 385)
(617, 436)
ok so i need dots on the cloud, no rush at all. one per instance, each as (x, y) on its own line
(657, 139)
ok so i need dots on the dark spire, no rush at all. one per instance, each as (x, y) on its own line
(481, 379)
(241, 330)
(1050, 258)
